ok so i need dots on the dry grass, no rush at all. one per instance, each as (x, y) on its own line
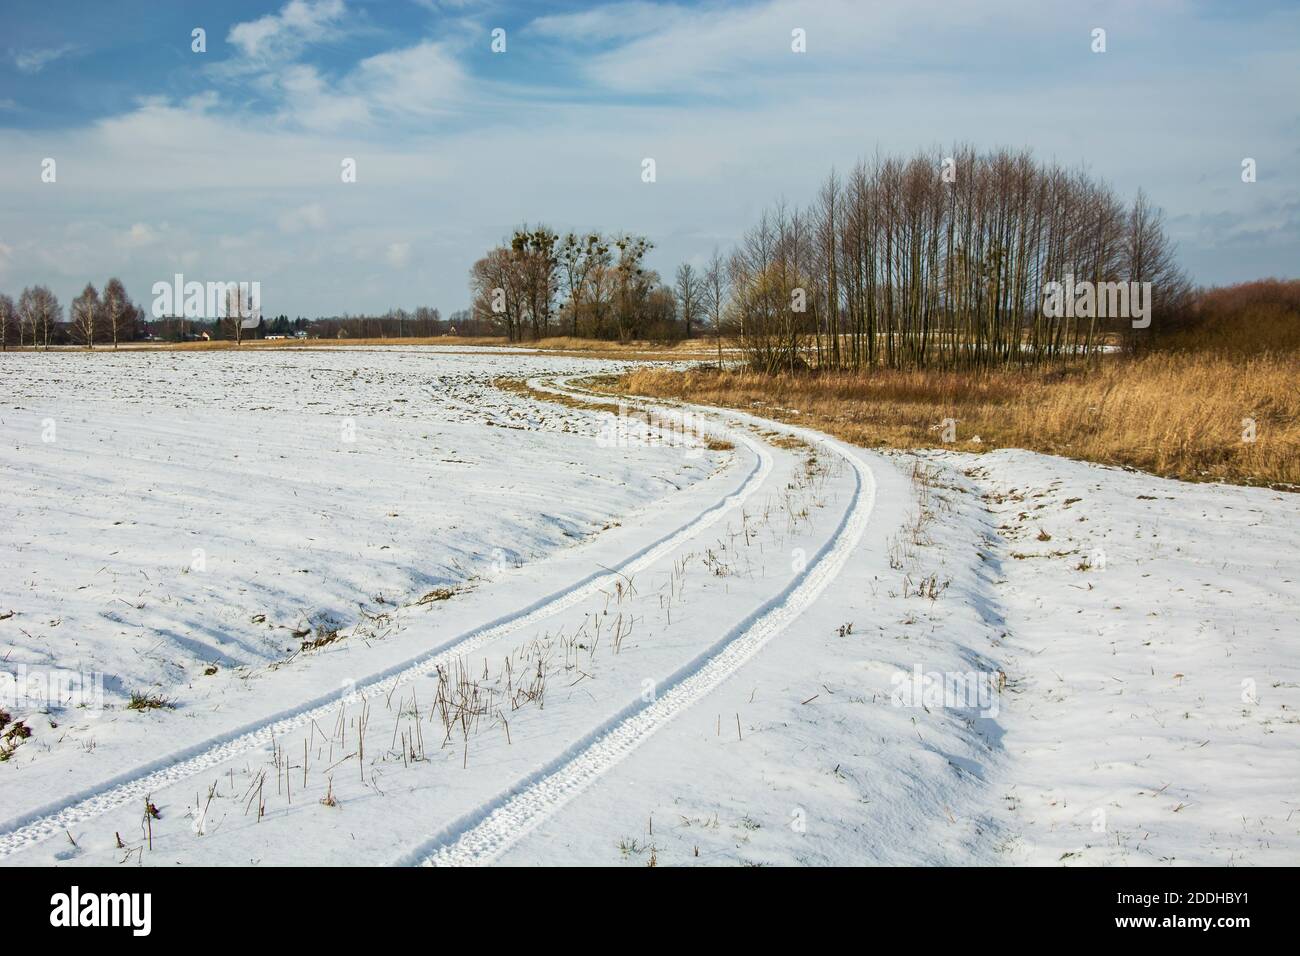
(145, 700)
(437, 594)
(1247, 318)
(1177, 415)
(521, 387)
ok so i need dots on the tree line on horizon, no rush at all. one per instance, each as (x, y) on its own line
(36, 319)
(930, 261)
(399, 323)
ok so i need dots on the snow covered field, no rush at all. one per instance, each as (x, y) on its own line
(401, 615)
(157, 504)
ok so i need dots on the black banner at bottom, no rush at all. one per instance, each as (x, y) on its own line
(306, 906)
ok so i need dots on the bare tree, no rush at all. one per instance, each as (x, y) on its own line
(1149, 257)
(690, 292)
(239, 308)
(427, 321)
(580, 258)
(40, 308)
(632, 283)
(496, 282)
(85, 309)
(536, 253)
(27, 314)
(770, 285)
(116, 307)
(601, 292)
(826, 226)
(8, 317)
(715, 296)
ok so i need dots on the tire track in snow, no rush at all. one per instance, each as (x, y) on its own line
(482, 836)
(136, 784)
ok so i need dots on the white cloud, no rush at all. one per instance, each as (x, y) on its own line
(721, 47)
(415, 81)
(309, 101)
(439, 6)
(284, 34)
(33, 61)
(398, 254)
(308, 217)
(202, 102)
(138, 236)
(418, 80)
(616, 21)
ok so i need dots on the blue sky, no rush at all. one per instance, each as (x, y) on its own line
(226, 164)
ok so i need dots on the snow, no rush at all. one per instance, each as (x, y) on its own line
(1124, 734)
(1157, 665)
(183, 495)
(727, 641)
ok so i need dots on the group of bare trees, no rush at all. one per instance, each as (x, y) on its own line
(942, 262)
(35, 320)
(421, 322)
(933, 261)
(704, 297)
(31, 321)
(540, 284)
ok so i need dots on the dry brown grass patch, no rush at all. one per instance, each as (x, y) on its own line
(1174, 415)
